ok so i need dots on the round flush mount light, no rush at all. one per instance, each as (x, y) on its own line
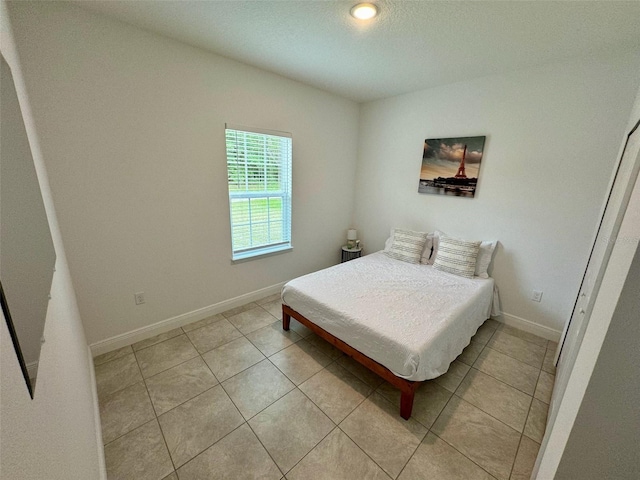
(364, 11)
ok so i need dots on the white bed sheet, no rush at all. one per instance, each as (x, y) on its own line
(413, 319)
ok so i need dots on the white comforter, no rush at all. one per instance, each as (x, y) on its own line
(413, 319)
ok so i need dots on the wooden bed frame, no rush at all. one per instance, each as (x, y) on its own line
(407, 387)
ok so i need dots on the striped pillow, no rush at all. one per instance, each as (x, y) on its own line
(407, 245)
(457, 256)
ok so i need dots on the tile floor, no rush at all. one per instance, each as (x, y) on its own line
(234, 396)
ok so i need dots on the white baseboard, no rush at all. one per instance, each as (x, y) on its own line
(96, 419)
(122, 340)
(529, 326)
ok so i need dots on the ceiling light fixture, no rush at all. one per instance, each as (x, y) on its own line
(364, 11)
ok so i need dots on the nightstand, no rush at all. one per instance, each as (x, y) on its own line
(350, 253)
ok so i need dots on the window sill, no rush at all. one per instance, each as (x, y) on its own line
(256, 254)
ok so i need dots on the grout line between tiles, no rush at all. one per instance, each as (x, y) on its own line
(438, 417)
(513, 464)
(264, 447)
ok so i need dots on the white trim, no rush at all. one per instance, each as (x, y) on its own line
(96, 418)
(122, 340)
(257, 253)
(261, 131)
(529, 326)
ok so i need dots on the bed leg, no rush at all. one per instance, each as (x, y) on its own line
(406, 403)
(286, 319)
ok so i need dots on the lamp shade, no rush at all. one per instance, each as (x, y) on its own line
(352, 234)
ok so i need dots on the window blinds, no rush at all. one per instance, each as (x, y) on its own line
(259, 180)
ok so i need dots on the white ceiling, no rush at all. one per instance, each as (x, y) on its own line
(410, 46)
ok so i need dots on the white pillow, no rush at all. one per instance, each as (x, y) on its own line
(457, 256)
(407, 245)
(389, 241)
(485, 254)
(428, 249)
(435, 242)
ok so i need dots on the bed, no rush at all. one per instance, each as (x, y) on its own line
(406, 322)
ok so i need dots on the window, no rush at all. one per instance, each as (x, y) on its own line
(259, 173)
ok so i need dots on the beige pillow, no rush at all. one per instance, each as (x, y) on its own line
(407, 245)
(456, 256)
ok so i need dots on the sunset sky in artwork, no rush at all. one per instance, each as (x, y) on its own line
(441, 157)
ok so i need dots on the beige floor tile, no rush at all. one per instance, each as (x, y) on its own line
(232, 358)
(544, 388)
(242, 308)
(124, 411)
(429, 400)
(518, 348)
(525, 460)
(276, 297)
(117, 374)
(274, 308)
(324, 346)
(336, 457)
(529, 337)
(107, 357)
(436, 459)
(179, 384)
(471, 353)
(156, 339)
(140, 454)
(377, 428)
(257, 387)
(490, 322)
(493, 393)
(197, 424)
(203, 323)
(290, 428)
(238, 456)
(484, 334)
(507, 404)
(477, 435)
(336, 391)
(454, 376)
(252, 319)
(536, 421)
(300, 361)
(162, 356)
(300, 329)
(547, 363)
(363, 373)
(508, 370)
(213, 335)
(272, 338)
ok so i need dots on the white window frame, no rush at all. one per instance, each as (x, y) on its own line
(284, 193)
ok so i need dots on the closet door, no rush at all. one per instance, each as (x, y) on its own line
(615, 206)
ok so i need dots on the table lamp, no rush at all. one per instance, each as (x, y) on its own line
(352, 238)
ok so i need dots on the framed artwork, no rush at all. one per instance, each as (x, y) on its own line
(450, 166)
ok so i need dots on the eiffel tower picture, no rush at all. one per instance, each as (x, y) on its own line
(460, 173)
(451, 166)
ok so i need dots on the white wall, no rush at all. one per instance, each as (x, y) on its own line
(605, 436)
(592, 384)
(132, 127)
(552, 137)
(55, 434)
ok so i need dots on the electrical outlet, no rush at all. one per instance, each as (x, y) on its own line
(536, 296)
(139, 298)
